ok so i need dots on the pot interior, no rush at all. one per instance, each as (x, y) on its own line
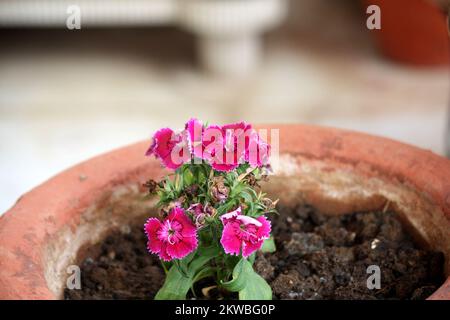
(332, 191)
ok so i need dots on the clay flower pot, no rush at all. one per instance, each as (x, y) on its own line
(412, 31)
(335, 170)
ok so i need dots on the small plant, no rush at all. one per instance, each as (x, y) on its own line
(213, 214)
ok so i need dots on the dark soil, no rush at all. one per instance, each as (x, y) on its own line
(317, 257)
(322, 257)
(120, 268)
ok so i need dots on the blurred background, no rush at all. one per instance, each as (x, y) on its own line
(69, 94)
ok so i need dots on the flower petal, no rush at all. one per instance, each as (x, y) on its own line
(264, 231)
(151, 149)
(258, 151)
(179, 152)
(229, 240)
(194, 129)
(182, 248)
(246, 220)
(225, 218)
(163, 142)
(224, 167)
(163, 255)
(249, 247)
(151, 228)
(238, 125)
(188, 227)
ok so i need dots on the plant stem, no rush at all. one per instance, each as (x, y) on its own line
(164, 267)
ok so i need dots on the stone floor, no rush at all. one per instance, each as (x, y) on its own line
(66, 96)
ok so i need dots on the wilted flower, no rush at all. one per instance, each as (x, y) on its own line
(269, 204)
(196, 209)
(151, 185)
(251, 180)
(191, 190)
(172, 205)
(174, 238)
(201, 212)
(210, 210)
(218, 190)
(243, 232)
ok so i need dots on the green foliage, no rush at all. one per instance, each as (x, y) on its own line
(184, 273)
(269, 245)
(193, 184)
(249, 284)
(241, 192)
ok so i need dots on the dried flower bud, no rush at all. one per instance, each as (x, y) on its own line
(244, 206)
(269, 204)
(191, 190)
(219, 192)
(180, 201)
(210, 210)
(151, 185)
(196, 209)
(171, 205)
(201, 213)
(200, 221)
(251, 180)
(266, 170)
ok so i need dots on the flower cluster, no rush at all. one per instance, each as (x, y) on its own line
(213, 215)
(176, 236)
(223, 147)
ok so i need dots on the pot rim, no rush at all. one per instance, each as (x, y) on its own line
(40, 213)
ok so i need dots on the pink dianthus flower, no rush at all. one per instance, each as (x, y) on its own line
(170, 147)
(173, 238)
(243, 233)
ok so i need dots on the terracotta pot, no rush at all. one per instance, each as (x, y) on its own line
(412, 31)
(335, 170)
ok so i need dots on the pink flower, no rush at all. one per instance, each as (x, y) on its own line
(174, 238)
(170, 147)
(257, 152)
(243, 232)
(224, 146)
(194, 128)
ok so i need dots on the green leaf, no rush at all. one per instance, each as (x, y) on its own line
(226, 207)
(252, 258)
(269, 245)
(183, 265)
(184, 273)
(247, 196)
(188, 177)
(203, 273)
(175, 286)
(205, 254)
(249, 284)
